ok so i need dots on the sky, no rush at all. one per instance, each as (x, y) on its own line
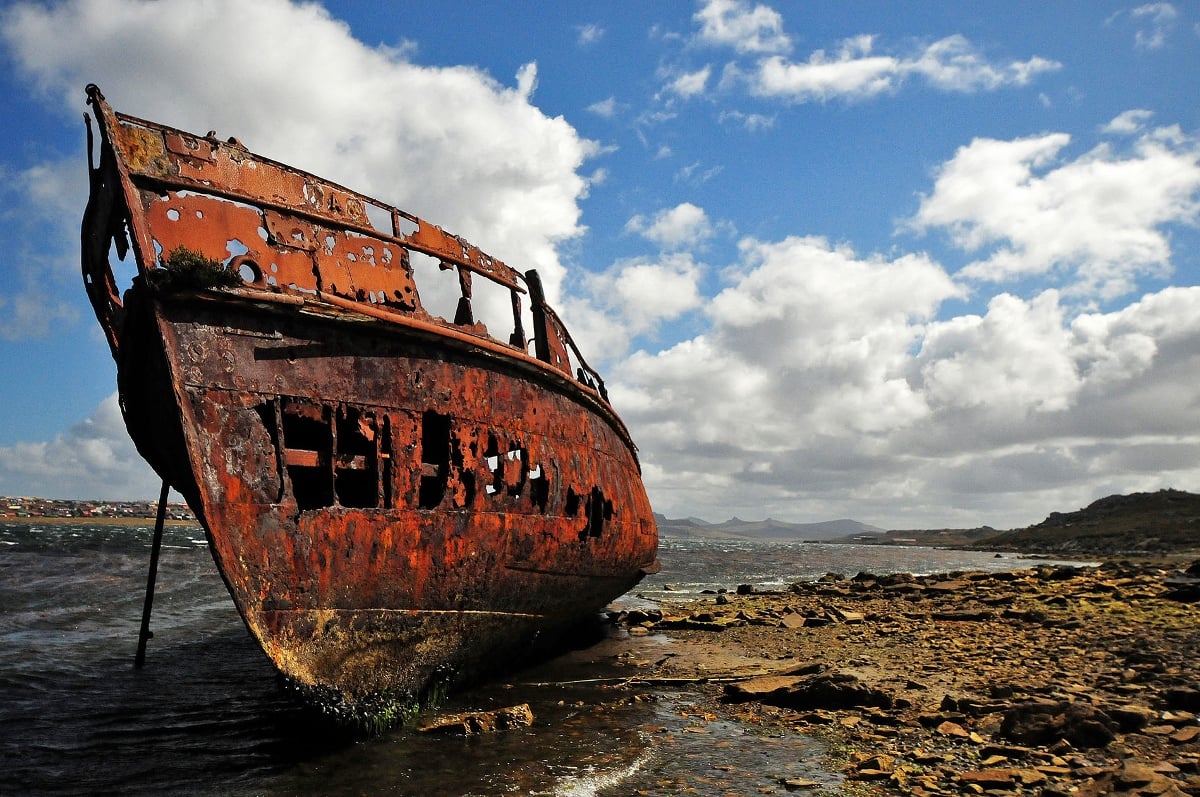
(921, 265)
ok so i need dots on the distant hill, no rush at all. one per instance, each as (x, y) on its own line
(1167, 521)
(769, 529)
(1138, 523)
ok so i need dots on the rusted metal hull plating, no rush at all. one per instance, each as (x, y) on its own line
(390, 496)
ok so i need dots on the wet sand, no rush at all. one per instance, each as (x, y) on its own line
(1052, 681)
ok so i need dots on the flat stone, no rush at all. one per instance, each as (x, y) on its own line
(1131, 717)
(1134, 774)
(827, 690)
(989, 777)
(792, 620)
(1185, 735)
(1159, 730)
(794, 784)
(949, 728)
(947, 586)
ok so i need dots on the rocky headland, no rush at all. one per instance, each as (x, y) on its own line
(1044, 680)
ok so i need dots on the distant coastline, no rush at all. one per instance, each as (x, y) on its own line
(1138, 524)
(57, 510)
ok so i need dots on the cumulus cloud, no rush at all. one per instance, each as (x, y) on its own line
(825, 380)
(1094, 222)
(94, 458)
(681, 226)
(690, 84)
(745, 28)
(851, 72)
(640, 293)
(497, 171)
(1014, 359)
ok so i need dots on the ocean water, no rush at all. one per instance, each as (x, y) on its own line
(207, 715)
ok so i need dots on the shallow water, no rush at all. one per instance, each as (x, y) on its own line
(207, 714)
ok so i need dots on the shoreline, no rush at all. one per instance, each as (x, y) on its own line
(92, 521)
(1039, 680)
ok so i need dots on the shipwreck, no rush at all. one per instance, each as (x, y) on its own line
(393, 498)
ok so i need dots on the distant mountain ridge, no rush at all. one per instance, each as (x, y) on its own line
(1160, 522)
(769, 529)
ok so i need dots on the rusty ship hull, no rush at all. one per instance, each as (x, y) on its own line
(393, 499)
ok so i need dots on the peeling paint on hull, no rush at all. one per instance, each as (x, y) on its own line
(393, 499)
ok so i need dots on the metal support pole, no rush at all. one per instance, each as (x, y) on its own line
(145, 634)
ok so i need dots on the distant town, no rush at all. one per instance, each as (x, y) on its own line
(14, 508)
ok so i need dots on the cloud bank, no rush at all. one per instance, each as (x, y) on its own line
(804, 378)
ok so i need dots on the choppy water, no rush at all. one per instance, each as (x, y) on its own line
(207, 716)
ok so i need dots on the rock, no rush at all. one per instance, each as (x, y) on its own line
(827, 691)
(949, 728)
(963, 615)
(847, 617)
(1134, 775)
(946, 587)
(989, 778)
(793, 784)
(1182, 698)
(1081, 724)
(1131, 717)
(745, 589)
(792, 620)
(473, 722)
(1186, 735)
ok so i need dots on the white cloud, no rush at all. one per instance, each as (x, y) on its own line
(745, 28)
(954, 64)
(855, 72)
(1128, 123)
(497, 171)
(684, 225)
(1015, 359)
(693, 174)
(690, 84)
(852, 72)
(606, 109)
(590, 34)
(632, 299)
(751, 121)
(1093, 222)
(43, 266)
(1160, 20)
(33, 313)
(93, 458)
(823, 386)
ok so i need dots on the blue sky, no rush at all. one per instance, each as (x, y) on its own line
(916, 264)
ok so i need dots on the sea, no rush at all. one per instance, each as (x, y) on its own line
(207, 715)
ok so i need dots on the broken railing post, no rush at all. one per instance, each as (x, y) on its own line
(140, 659)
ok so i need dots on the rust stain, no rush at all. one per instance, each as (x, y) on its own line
(392, 497)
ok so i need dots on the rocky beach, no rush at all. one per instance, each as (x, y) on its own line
(1040, 680)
